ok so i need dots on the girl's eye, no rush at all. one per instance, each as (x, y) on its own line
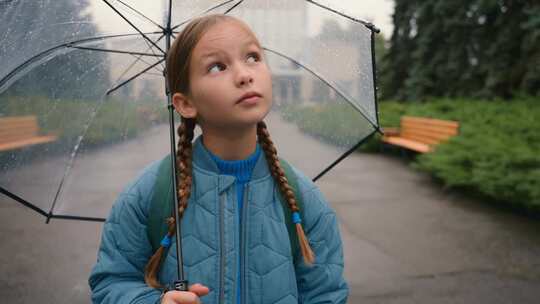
(254, 55)
(218, 65)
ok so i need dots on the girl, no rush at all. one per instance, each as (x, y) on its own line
(235, 241)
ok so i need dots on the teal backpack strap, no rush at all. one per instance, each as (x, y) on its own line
(291, 228)
(161, 204)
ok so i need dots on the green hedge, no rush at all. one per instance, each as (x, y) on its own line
(496, 155)
(113, 120)
(335, 124)
(497, 152)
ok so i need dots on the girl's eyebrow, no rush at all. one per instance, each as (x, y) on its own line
(216, 52)
(210, 54)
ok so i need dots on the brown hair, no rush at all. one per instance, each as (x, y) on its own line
(177, 67)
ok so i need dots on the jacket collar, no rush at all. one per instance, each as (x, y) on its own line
(203, 160)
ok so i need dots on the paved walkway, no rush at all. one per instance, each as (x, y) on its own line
(406, 240)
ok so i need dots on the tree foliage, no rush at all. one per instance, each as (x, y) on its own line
(479, 48)
(33, 27)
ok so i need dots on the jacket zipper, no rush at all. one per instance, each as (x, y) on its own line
(243, 246)
(222, 249)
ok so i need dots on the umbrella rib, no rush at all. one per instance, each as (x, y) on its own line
(44, 28)
(76, 148)
(169, 16)
(114, 51)
(338, 91)
(369, 25)
(208, 10)
(70, 165)
(132, 25)
(147, 18)
(51, 50)
(150, 47)
(148, 63)
(127, 70)
(374, 69)
(134, 62)
(50, 214)
(68, 168)
(78, 218)
(22, 201)
(233, 7)
(344, 155)
(72, 158)
(133, 77)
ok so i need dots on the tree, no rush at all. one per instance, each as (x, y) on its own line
(531, 49)
(500, 37)
(479, 48)
(41, 25)
(398, 59)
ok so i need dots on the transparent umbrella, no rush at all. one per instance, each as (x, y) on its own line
(84, 105)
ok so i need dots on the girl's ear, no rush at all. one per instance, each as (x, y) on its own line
(183, 105)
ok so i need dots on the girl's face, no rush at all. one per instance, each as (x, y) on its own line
(227, 63)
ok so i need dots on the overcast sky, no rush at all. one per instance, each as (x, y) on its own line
(377, 11)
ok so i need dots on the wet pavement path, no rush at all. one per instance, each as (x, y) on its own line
(405, 240)
(408, 241)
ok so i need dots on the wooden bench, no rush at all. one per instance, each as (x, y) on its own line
(420, 134)
(21, 131)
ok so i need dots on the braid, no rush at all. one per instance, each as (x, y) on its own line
(184, 182)
(286, 190)
(183, 163)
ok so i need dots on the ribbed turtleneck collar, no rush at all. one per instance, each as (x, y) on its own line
(241, 169)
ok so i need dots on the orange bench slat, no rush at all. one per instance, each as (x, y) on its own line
(20, 131)
(422, 134)
(429, 136)
(419, 138)
(434, 129)
(26, 142)
(430, 121)
(407, 143)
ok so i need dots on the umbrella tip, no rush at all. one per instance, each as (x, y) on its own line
(372, 27)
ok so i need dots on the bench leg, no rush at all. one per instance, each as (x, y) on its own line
(403, 153)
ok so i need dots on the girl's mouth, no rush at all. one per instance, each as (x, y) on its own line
(249, 97)
(250, 100)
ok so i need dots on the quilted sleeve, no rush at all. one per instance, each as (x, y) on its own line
(118, 275)
(322, 282)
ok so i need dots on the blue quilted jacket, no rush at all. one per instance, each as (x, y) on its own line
(211, 242)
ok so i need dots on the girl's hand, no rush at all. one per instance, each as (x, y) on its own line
(185, 297)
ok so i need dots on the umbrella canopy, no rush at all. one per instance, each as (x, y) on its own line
(83, 105)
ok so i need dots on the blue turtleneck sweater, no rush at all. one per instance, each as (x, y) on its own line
(241, 169)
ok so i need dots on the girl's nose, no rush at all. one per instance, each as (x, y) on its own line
(244, 76)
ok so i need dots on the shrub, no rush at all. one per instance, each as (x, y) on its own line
(67, 118)
(496, 155)
(332, 123)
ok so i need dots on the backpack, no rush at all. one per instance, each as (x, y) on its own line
(163, 192)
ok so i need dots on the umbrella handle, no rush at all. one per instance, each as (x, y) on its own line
(181, 285)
